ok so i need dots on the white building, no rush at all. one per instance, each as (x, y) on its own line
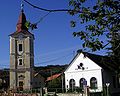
(90, 70)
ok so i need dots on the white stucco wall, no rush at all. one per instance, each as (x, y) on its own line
(91, 70)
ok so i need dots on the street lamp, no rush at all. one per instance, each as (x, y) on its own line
(107, 88)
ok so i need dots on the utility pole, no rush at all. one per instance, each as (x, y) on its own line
(62, 83)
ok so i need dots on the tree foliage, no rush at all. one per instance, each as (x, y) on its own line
(0, 83)
(49, 70)
(104, 17)
(56, 84)
(102, 28)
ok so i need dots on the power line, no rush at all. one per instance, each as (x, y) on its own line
(49, 61)
(48, 10)
(42, 18)
(44, 56)
(71, 49)
(58, 58)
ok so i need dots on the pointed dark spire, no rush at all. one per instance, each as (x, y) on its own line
(21, 21)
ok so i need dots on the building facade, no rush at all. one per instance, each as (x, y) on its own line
(21, 56)
(83, 72)
(91, 71)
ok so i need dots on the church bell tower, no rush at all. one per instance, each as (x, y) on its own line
(21, 56)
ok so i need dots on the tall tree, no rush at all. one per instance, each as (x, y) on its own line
(104, 17)
(102, 20)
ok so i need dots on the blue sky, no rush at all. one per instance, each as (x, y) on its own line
(54, 43)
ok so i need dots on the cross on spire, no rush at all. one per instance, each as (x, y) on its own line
(22, 5)
(21, 20)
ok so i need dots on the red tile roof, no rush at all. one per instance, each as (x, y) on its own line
(53, 77)
(20, 27)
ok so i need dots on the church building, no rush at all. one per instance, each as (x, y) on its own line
(92, 71)
(21, 56)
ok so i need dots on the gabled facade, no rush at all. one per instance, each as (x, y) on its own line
(91, 71)
(83, 71)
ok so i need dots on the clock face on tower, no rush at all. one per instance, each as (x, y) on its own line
(20, 37)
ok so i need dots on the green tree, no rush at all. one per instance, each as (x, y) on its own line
(0, 83)
(114, 54)
(56, 84)
(104, 17)
(101, 20)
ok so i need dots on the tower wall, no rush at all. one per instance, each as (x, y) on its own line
(21, 74)
(13, 78)
(21, 56)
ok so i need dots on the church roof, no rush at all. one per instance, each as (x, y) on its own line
(104, 62)
(20, 27)
(21, 22)
(23, 32)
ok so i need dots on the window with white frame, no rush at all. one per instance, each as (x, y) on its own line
(93, 83)
(72, 84)
(20, 61)
(20, 48)
(82, 83)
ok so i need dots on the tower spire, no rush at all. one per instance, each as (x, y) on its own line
(21, 20)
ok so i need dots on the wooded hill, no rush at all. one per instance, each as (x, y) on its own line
(50, 70)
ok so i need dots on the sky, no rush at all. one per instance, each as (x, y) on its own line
(54, 43)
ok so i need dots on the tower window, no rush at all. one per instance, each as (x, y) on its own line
(20, 48)
(20, 61)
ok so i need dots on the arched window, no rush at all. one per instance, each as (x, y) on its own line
(72, 84)
(82, 82)
(93, 83)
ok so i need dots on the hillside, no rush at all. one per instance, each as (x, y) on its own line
(49, 70)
